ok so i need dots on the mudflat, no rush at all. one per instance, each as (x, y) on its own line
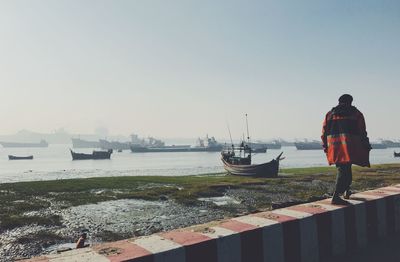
(43, 216)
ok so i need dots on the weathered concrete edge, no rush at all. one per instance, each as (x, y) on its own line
(306, 232)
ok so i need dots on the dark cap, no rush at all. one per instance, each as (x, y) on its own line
(345, 99)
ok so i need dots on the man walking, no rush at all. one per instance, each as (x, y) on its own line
(345, 142)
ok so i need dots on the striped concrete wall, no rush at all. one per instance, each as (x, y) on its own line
(307, 232)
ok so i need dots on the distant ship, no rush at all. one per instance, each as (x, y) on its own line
(257, 147)
(157, 146)
(209, 144)
(261, 147)
(42, 143)
(164, 149)
(314, 145)
(274, 145)
(80, 143)
(390, 143)
(378, 146)
(114, 145)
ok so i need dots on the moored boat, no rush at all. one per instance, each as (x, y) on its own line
(396, 154)
(95, 155)
(11, 157)
(237, 160)
(242, 166)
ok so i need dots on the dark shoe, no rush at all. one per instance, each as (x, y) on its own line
(347, 194)
(339, 201)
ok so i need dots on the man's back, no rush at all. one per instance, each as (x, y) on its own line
(344, 136)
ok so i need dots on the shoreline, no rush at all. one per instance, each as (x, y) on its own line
(40, 214)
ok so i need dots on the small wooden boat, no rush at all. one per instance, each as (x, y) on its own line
(242, 166)
(95, 155)
(11, 157)
(396, 154)
(237, 160)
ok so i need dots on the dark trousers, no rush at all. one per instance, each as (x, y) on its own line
(343, 178)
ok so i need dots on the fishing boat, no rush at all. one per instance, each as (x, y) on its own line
(396, 154)
(237, 161)
(95, 155)
(241, 166)
(11, 157)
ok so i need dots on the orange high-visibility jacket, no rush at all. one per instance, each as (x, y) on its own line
(344, 136)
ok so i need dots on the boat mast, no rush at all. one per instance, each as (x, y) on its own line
(230, 135)
(247, 125)
(248, 136)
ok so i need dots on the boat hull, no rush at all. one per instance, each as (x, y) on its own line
(171, 149)
(269, 169)
(10, 157)
(96, 155)
(396, 154)
(391, 144)
(378, 146)
(24, 145)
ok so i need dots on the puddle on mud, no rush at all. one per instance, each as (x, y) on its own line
(220, 201)
(118, 215)
(59, 248)
(132, 217)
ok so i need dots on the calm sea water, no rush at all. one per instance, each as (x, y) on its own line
(55, 162)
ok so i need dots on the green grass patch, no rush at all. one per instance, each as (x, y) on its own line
(21, 197)
(309, 170)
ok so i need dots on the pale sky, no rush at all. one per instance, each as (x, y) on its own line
(186, 68)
